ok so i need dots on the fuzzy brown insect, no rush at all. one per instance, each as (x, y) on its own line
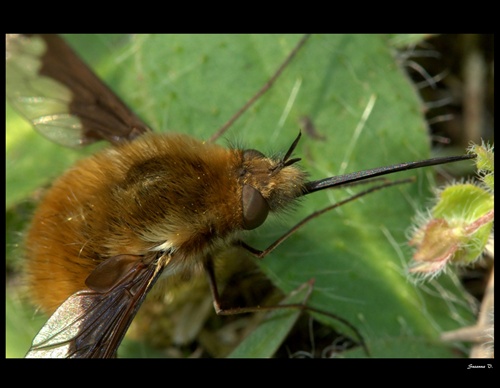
(153, 204)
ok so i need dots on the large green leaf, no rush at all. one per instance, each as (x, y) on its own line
(354, 92)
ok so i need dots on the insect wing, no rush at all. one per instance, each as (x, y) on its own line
(59, 94)
(92, 324)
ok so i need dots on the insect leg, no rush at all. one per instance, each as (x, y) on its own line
(209, 269)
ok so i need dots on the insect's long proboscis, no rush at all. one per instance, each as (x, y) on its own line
(340, 180)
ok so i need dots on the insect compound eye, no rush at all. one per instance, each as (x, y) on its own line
(255, 208)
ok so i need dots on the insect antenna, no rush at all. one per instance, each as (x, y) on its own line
(286, 161)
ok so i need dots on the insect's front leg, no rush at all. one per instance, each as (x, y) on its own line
(255, 252)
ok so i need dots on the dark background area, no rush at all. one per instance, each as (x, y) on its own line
(454, 74)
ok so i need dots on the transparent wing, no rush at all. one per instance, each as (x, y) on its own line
(92, 324)
(65, 101)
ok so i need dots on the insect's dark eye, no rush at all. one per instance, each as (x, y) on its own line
(255, 208)
(252, 154)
